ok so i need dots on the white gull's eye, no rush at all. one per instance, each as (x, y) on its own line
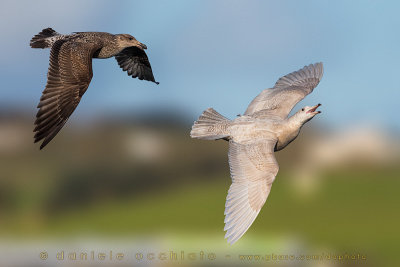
(302, 109)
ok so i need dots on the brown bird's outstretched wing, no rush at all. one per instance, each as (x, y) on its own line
(253, 169)
(69, 75)
(287, 92)
(135, 61)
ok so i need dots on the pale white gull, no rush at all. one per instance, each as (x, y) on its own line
(253, 138)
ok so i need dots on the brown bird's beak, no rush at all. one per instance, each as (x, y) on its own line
(143, 46)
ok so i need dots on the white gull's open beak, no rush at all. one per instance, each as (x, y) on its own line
(313, 109)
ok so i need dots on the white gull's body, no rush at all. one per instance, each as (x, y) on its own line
(253, 138)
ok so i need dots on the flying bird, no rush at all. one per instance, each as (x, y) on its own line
(70, 72)
(253, 137)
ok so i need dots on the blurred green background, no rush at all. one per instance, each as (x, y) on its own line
(129, 179)
(124, 168)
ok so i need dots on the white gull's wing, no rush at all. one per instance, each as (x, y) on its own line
(287, 92)
(253, 169)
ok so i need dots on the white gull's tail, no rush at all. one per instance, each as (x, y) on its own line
(210, 126)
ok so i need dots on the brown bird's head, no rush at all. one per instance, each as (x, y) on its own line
(127, 40)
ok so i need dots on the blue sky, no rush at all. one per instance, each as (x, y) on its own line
(219, 54)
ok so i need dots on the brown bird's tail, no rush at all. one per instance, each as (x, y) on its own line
(45, 38)
(210, 126)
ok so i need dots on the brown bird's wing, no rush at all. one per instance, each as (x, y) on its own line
(287, 92)
(69, 75)
(253, 169)
(135, 61)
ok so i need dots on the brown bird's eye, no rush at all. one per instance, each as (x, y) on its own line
(131, 38)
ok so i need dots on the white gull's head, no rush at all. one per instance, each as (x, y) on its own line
(306, 113)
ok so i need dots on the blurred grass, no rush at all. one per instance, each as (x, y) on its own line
(356, 211)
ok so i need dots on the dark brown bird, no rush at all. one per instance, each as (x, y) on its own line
(70, 72)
